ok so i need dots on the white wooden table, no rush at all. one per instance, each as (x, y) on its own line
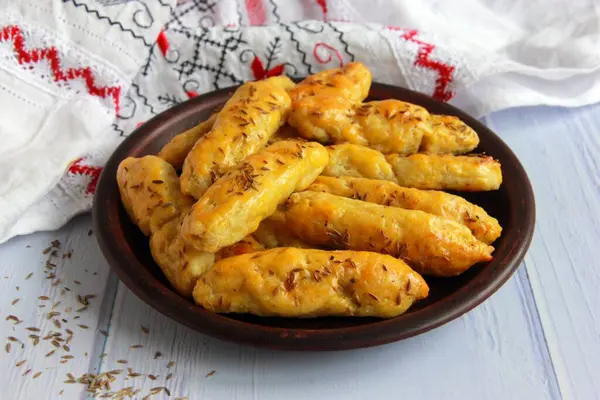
(538, 337)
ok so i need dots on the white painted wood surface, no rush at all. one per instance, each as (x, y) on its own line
(537, 338)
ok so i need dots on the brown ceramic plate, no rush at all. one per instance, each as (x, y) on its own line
(127, 251)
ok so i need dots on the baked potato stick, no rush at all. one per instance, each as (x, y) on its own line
(484, 227)
(449, 135)
(447, 172)
(357, 161)
(390, 126)
(273, 232)
(244, 125)
(351, 81)
(181, 263)
(150, 193)
(290, 282)
(178, 148)
(236, 203)
(432, 245)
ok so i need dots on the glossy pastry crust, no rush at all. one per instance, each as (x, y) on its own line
(357, 161)
(390, 126)
(181, 263)
(236, 203)
(449, 135)
(351, 81)
(484, 227)
(244, 125)
(290, 282)
(447, 172)
(149, 188)
(432, 245)
(178, 148)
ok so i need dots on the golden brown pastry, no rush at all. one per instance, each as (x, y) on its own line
(447, 172)
(236, 203)
(432, 245)
(449, 135)
(181, 263)
(150, 193)
(390, 126)
(358, 161)
(178, 148)
(273, 232)
(247, 121)
(484, 227)
(290, 282)
(351, 81)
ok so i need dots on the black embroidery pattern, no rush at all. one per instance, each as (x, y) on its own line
(169, 100)
(118, 24)
(201, 13)
(217, 69)
(297, 44)
(117, 129)
(341, 37)
(275, 11)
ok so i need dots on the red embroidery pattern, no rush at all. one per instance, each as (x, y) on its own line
(191, 94)
(444, 70)
(323, 5)
(77, 168)
(331, 49)
(13, 32)
(163, 43)
(256, 12)
(259, 72)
